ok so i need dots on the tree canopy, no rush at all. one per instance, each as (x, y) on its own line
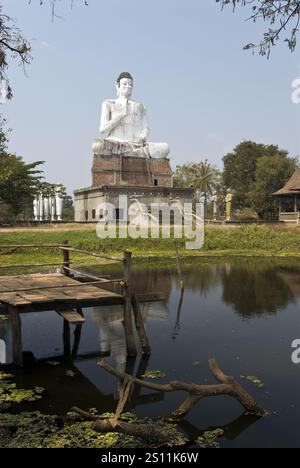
(200, 175)
(281, 16)
(254, 171)
(18, 180)
(12, 45)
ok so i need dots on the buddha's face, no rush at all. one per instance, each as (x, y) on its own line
(125, 87)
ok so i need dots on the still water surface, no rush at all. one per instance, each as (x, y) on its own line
(243, 312)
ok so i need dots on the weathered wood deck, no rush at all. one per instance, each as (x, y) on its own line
(67, 293)
(38, 292)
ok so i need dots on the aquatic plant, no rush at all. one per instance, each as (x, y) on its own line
(209, 439)
(157, 374)
(37, 430)
(254, 380)
(11, 395)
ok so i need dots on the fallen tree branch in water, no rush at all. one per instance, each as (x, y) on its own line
(227, 386)
(144, 431)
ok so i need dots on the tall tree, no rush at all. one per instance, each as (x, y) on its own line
(240, 167)
(254, 171)
(200, 175)
(281, 16)
(17, 179)
(271, 174)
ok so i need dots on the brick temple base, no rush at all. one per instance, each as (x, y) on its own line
(131, 171)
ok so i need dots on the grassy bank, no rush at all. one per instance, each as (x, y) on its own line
(219, 241)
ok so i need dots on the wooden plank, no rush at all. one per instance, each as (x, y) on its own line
(14, 299)
(65, 294)
(88, 292)
(25, 284)
(84, 303)
(71, 316)
(59, 284)
(45, 295)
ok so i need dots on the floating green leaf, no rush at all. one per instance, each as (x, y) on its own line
(10, 394)
(254, 380)
(4, 376)
(157, 374)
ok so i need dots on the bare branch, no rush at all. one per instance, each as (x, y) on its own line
(228, 386)
(281, 15)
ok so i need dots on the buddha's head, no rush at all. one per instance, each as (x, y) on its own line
(124, 85)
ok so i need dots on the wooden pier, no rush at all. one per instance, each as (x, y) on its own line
(67, 293)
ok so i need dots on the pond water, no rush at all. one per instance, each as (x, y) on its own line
(243, 312)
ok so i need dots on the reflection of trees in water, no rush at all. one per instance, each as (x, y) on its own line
(253, 292)
(197, 278)
(152, 280)
(200, 278)
(252, 285)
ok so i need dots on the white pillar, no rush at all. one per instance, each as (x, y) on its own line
(41, 208)
(46, 208)
(59, 206)
(52, 208)
(36, 208)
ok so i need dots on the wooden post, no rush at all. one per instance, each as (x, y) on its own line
(178, 265)
(67, 339)
(16, 336)
(130, 343)
(279, 209)
(139, 323)
(77, 335)
(66, 258)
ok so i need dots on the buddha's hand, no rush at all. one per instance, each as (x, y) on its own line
(124, 110)
(142, 141)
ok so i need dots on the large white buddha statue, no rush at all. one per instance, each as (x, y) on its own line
(124, 123)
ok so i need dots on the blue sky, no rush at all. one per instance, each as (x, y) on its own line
(203, 93)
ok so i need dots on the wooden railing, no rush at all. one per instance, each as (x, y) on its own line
(130, 300)
(66, 250)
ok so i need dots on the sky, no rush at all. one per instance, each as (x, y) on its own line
(204, 94)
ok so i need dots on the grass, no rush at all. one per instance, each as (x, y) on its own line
(248, 240)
